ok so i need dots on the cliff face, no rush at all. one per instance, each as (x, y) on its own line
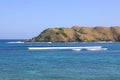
(79, 34)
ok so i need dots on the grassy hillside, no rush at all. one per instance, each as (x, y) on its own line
(79, 34)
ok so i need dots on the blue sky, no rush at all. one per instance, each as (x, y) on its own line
(24, 19)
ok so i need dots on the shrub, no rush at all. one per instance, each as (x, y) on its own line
(61, 31)
(47, 38)
(57, 33)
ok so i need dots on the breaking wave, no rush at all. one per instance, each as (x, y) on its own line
(15, 42)
(91, 48)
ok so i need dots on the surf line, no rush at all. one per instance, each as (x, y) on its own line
(92, 48)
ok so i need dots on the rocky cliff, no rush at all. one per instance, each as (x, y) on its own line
(79, 34)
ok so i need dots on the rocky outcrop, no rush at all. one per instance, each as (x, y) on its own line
(79, 34)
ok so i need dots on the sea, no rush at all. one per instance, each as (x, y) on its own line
(17, 62)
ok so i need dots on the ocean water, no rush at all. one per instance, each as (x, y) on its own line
(17, 62)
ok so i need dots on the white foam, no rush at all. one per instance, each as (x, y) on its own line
(40, 42)
(76, 49)
(92, 48)
(96, 49)
(104, 42)
(49, 42)
(16, 42)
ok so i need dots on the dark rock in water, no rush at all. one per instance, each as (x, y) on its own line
(79, 34)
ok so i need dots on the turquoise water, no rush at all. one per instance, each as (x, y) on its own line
(19, 63)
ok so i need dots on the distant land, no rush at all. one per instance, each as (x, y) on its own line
(79, 34)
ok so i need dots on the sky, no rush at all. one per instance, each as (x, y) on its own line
(24, 19)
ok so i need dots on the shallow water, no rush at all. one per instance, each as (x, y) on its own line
(19, 63)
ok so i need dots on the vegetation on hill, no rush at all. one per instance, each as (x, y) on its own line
(79, 34)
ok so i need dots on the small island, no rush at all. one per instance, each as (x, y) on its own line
(79, 34)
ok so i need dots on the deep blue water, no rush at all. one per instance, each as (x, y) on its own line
(19, 63)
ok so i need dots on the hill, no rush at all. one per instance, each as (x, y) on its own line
(79, 34)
